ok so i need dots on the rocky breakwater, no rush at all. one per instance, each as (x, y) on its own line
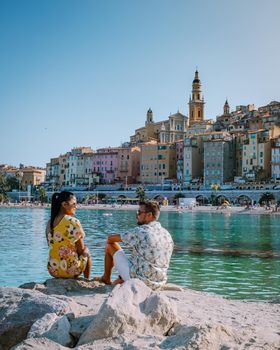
(63, 314)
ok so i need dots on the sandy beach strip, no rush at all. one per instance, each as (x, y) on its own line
(195, 209)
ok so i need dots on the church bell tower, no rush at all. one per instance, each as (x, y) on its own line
(196, 102)
(226, 108)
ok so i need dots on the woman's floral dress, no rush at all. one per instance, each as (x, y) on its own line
(64, 260)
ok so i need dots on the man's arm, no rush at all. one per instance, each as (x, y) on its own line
(114, 238)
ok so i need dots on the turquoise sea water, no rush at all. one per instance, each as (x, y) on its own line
(232, 255)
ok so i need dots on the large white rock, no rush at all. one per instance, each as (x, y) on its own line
(206, 336)
(20, 308)
(38, 344)
(79, 325)
(42, 325)
(53, 327)
(132, 308)
(127, 341)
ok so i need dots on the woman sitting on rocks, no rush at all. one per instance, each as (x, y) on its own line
(68, 255)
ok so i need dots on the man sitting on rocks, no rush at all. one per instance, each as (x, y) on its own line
(151, 249)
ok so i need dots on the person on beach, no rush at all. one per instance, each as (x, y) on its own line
(68, 255)
(151, 249)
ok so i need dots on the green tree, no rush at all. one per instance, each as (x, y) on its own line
(140, 193)
(266, 198)
(3, 197)
(4, 188)
(213, 199)
(12, 183)
(42, 195)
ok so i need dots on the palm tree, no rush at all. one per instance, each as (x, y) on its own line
(215, 187)
(140, 193)
(213, 198)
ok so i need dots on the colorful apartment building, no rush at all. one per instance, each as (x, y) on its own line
(180, 161)
(53, 173)
(105, 164)
(193, 158)
(218, 161)
(75, 168)
(128, 167)
(275, 159)
(256, 155)
(158, 162)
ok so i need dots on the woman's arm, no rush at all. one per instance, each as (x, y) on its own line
(80, 247)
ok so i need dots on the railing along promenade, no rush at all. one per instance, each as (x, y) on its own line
(231, 195)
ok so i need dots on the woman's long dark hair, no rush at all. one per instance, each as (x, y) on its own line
(57, 199)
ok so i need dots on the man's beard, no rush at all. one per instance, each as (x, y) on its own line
(140, 223)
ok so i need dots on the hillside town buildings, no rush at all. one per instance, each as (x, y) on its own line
(183, 149)
(243, 143)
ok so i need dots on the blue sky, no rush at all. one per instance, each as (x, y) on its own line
(84, 72)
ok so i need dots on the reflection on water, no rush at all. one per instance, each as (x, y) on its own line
(236, 255)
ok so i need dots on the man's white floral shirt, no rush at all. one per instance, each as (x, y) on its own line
(152, 247)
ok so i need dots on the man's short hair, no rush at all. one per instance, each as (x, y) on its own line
(151, 207)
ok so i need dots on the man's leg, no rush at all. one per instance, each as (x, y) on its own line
(110, 250)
